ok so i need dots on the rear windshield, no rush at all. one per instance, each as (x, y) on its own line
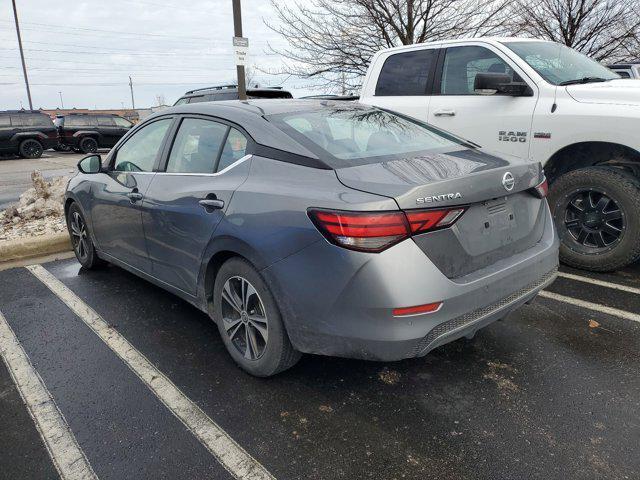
(347, 136)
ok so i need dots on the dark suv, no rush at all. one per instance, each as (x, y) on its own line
(230, 92)
(26, 132)
(86, 132)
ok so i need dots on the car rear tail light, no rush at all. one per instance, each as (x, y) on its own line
(542, 189)
(377, 231)
(417, 310)
(425, 220)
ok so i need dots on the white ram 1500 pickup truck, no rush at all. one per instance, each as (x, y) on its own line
(540, 101)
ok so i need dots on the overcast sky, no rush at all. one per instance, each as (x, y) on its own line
(86, 49)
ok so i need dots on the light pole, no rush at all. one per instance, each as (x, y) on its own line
(24, 65)
(133, 103)
(61, 102)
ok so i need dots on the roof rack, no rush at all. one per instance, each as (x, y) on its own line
(215, 87)
(20, 111)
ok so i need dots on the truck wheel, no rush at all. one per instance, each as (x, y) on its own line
(597, 214)
(31, 148)
(88, 145)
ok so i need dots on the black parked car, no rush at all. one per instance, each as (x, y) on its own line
(86, 132)
(26, 132)
(230, 92)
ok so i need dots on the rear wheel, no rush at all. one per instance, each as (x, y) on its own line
(597, 214)
(88, 145)
(31, 148)
(81, 240)
(249, 321)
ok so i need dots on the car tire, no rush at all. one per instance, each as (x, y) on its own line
(88, 145)
(31, 148)
(252, 330)
(81, 239)
(597, 214)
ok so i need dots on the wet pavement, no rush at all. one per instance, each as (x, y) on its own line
(550, 392)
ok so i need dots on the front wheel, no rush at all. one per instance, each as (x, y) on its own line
(249, 321)
(597, 214)
(81, 240)
(88, 145)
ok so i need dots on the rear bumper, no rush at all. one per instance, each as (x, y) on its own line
(338, 302)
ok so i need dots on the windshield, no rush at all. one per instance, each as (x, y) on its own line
(357, 136)
(559, 64)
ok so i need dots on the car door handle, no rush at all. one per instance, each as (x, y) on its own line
(211, 204)
(445, 113)
(134, 196)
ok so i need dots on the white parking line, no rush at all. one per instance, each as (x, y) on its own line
(66, 454)
(600, 283)
(596, 307)
(231, 455)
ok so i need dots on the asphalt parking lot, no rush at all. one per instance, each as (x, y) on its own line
(551, 392)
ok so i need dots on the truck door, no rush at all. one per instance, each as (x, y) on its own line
(498, 122)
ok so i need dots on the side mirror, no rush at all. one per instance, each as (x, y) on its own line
(90, 164)
(492, 83)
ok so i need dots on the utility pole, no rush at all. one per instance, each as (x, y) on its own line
(133, 103)
(61, 102)
(237, 32)
(24, 65)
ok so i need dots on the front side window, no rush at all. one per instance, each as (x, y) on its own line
(17, 121)
(105, 122)
(196, 147)
(406, 73)
(234, 149)
(122, 122)
(139, 152)
(559, 64)
(356, 136)
(462, 64)
(181, 101)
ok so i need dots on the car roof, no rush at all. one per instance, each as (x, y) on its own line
(250, 115)
(15, 112)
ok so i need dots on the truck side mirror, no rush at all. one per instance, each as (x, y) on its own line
(492, 83)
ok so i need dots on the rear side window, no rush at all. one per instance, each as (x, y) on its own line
(201, 98)
(5, 121)
(139, 152)
(79, 121)
(462, 64)
(406, 73)
(226, 96)
(234, 149)
(196, 146)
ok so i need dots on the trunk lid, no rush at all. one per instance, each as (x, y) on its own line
(497, 223)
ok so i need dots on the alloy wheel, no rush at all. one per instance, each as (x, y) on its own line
(79, 236)
(32, 149)
(244, 318)
(594, 220)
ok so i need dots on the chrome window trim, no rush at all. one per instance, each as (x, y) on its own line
(224, 170)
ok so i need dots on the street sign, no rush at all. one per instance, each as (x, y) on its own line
(241, 49)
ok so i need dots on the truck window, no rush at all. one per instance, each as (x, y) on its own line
(5, 121)
(462, 64)
(406, 73)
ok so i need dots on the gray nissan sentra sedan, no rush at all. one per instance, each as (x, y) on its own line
(316, 226)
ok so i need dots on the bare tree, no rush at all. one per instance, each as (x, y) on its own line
(332, 41)
(602, 29)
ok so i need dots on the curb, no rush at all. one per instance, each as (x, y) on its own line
(23, 248)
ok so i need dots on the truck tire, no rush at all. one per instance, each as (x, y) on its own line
(597, 214)
(31, 148)
(88, 145)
